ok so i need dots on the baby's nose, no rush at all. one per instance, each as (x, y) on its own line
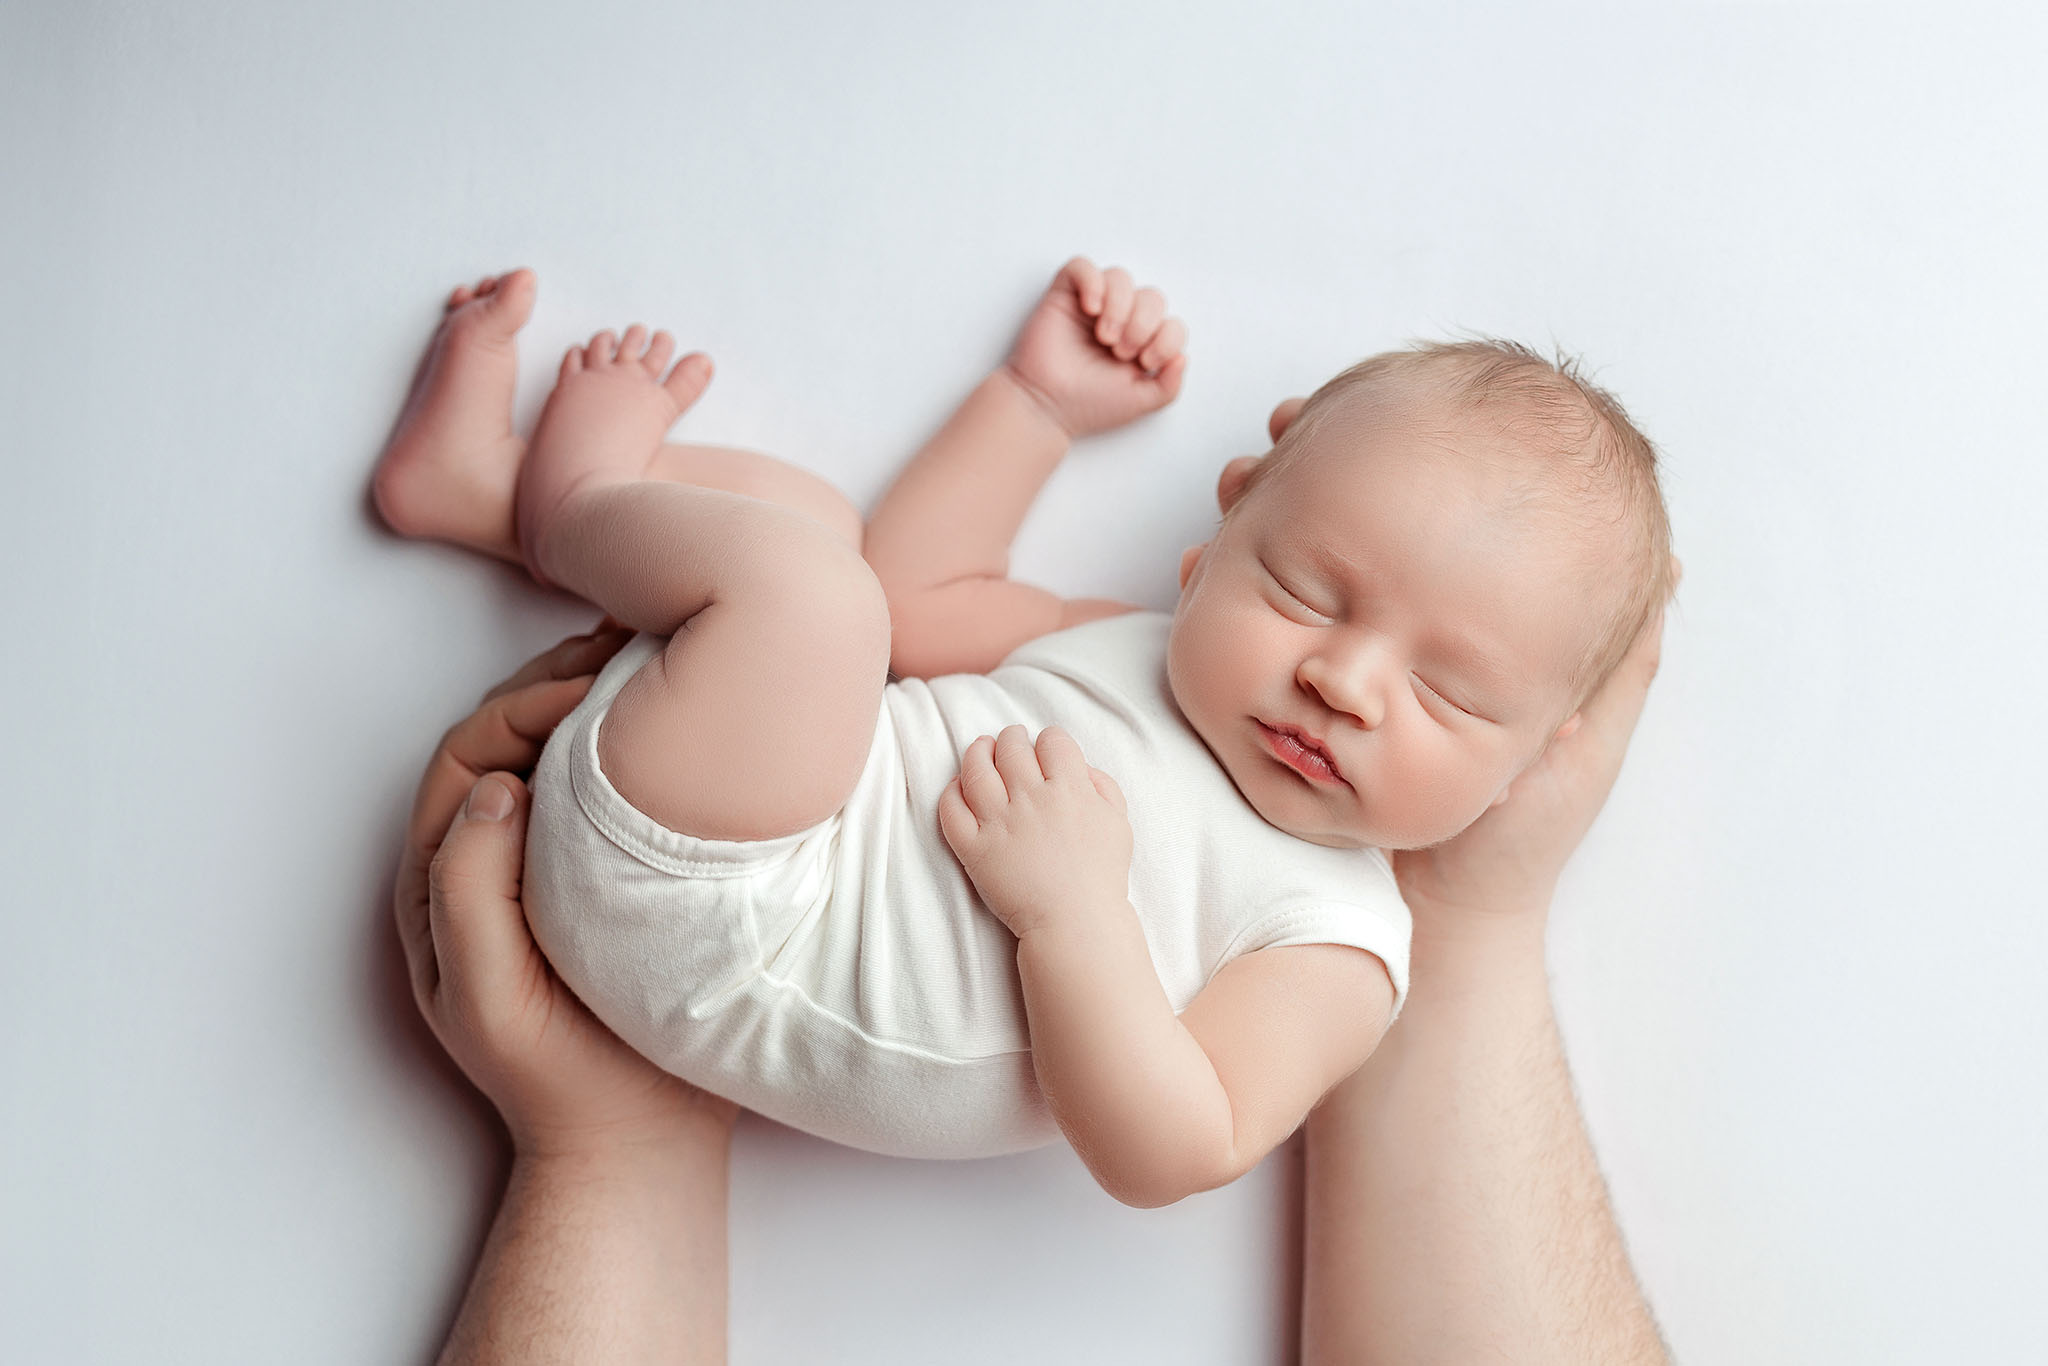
(1350, 682)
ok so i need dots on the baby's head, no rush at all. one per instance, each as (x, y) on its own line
(1446, 552)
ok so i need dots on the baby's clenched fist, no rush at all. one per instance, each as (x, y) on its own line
(1041, 834)
(1097, 351)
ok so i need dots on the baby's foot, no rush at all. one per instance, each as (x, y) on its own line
(604, 422)
(449, 470)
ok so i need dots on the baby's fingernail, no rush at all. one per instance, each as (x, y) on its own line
(488, 801)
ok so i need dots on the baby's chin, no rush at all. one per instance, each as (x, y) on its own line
(1284, 815)
(1366, 835)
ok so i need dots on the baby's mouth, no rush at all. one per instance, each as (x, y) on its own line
(1301, 752)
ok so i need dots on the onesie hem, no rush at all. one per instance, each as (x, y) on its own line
(654, 844)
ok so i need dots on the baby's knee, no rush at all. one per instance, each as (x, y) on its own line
(823, 587)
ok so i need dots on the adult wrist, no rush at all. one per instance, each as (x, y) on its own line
(1517, 927)
(693, 1133)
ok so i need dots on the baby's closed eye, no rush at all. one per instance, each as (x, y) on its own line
(1293, 597)
(1444, 699)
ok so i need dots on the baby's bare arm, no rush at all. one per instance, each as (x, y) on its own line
(1159, 1107)
(1095, 354)
(940, 538)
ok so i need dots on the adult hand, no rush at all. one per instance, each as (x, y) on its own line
(1508, 861)
(562, 1081)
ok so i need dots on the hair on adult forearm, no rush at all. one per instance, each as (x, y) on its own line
(1454, 1211)
(615, 1258)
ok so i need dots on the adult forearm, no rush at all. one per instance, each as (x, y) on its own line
(1131, 1087)
(1453, 1208)
(619, 1257)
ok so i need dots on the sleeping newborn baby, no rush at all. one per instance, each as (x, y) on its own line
(1074, 868)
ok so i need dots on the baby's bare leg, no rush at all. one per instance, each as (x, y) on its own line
(759, 476)
(451, 467)
(756, 719)
(446, 474)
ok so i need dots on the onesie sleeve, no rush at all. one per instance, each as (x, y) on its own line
(1379, 924)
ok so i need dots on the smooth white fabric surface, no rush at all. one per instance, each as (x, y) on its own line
(846, 979)
(1797, 961)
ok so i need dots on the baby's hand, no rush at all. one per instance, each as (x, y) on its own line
(1041, 833)
(1098, 353)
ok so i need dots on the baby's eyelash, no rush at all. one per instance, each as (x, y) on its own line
(1441, 698)
(1282, 585)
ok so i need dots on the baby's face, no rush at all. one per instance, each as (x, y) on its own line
(1371, 646)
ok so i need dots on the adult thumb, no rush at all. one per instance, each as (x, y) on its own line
(480, 937)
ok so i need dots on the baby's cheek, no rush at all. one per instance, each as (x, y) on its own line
(1446, 791)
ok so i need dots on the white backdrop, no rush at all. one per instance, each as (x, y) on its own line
(1796, 962)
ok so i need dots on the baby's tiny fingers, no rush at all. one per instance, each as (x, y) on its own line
(1117, 293)
(1166, 343)
(980, 784)
(956, 819)
(1148, 306)
(1059, 754)
(1017, 761)
(1106, 785)
(1086, 281)
(1166, 384)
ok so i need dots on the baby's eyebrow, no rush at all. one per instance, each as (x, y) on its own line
(1463, 654)
(1469, 657)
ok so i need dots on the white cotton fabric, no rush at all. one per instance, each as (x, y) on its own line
(846, 980)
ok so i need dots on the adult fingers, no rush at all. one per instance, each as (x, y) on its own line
(504, 733)
(409, 909)
(481, 943)
(1283, 417)
(1582, 766)
(1614, 708)
(572, 658)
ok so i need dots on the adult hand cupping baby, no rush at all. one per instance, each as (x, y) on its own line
(1509, 860)
(561, 1080)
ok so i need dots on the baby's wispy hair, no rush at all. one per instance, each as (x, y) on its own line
(1574, 438)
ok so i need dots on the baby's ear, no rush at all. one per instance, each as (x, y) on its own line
(1283, 417)
(1230, 484)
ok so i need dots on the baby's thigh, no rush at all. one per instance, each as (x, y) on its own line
(760, 476)
(756, 719)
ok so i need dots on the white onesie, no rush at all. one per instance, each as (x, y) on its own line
(846, 980)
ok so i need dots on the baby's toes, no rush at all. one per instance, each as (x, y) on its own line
(659, 348)
(509, 302)
(687, 382)
(633, 345)
(603, 349)
(572, 362)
